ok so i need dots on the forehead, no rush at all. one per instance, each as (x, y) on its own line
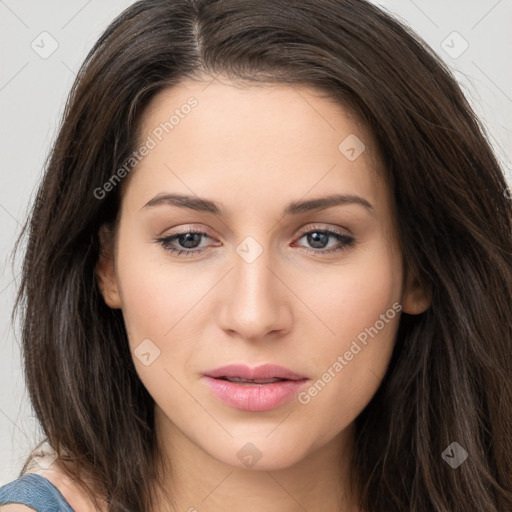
(212, 137)
(245, 109)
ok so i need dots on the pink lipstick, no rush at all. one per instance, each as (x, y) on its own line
(257, 389)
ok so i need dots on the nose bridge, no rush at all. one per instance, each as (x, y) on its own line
(253, 305)
(253, 279)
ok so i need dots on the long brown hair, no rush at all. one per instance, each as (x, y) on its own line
(450, 377)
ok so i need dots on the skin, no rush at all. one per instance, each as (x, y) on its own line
(256, 149)
(74, 495)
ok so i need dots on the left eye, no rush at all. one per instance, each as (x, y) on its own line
(320, 238)
(317, 238)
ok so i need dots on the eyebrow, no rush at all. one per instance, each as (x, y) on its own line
(294, 208)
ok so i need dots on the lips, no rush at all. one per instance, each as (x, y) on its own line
(254, 389)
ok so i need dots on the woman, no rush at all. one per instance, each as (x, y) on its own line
(269, 267)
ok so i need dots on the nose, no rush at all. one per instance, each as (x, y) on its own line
(255, 300)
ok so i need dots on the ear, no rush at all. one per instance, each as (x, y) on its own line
(105, 268)
(415, 299)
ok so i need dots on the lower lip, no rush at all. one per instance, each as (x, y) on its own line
(254, 397)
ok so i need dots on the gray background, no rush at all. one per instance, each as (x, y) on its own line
(34, 83)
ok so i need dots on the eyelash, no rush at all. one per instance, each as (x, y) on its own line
(346, 240)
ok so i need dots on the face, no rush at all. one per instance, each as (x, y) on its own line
(262, 271)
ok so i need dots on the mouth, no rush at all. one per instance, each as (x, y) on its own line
(254, 389)
(259, 373)
(251, 381)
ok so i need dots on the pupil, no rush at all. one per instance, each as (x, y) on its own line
(318, 240)
(189, 239)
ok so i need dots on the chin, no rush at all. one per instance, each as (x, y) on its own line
(255, 455)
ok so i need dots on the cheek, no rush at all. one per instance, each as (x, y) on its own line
(156, 294)
(349, 368)
(157, 300)
(349, 374)
(349, 298)
(359, 306)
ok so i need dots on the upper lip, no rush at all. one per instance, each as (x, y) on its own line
(265, 371)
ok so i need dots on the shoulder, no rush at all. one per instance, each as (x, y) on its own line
(15, 507)
(32, 492)
(44, 489)
(70, 490)
(46, 480)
